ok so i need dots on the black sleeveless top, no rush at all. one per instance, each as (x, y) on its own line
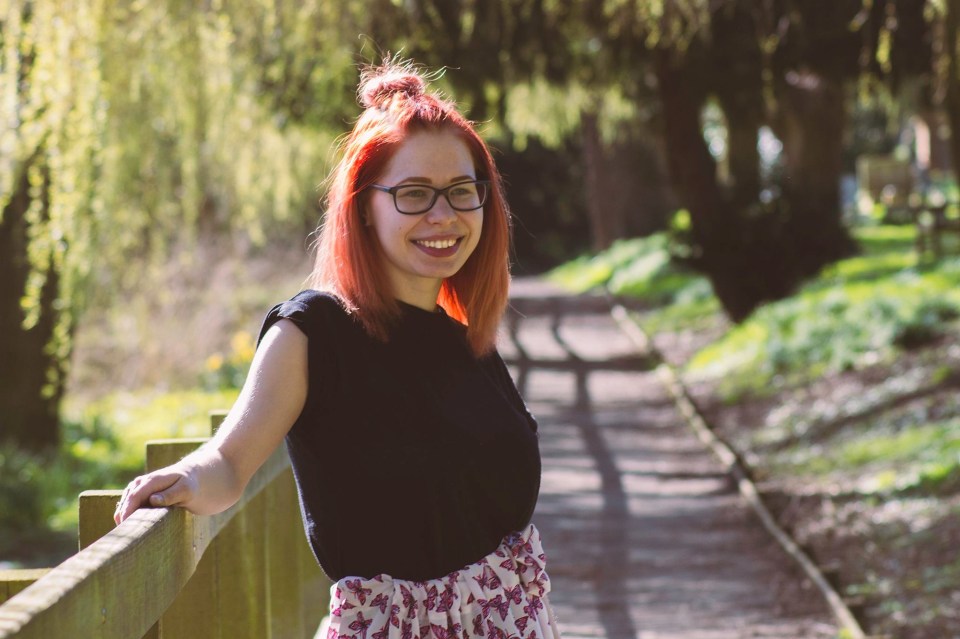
(412, 458)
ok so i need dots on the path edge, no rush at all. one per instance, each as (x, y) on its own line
(850, 627)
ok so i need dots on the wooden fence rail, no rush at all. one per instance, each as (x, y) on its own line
(167, 574)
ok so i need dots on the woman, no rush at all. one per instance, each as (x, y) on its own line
(415, 458)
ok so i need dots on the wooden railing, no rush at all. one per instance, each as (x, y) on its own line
(167, 574)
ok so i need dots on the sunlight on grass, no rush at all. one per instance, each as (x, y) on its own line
(588, 272)
(698, 311)
(581, 274)
(135, 418)
(638, 267)
(833, 327)
(917, 456)
(865, 267)
(886, 239)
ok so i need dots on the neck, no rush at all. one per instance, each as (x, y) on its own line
(422, 295)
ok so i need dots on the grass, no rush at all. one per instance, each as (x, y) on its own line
(856, 312)
(642, 268)
(829, 327)
(886, 458)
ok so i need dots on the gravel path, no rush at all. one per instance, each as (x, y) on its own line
(645, 534)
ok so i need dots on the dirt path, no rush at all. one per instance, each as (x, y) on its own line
(646, 536)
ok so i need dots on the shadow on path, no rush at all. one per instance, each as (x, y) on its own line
(646, 535)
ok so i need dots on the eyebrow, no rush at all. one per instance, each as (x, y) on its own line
(417, 179)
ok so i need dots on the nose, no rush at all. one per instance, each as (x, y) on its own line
(441, 211)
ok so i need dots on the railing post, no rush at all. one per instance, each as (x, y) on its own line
(285, 570)
(290, 594)
(216, 419)
(13, 581)
(96, 514)
(195, 611)
(241, 573)
(242, 566)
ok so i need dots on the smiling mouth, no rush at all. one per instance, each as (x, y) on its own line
(438, 244)
(439, 248)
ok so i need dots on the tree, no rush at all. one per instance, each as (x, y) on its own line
(948, 62)
(698, 52)
(128, 127)
(47, 173)
(786, 65)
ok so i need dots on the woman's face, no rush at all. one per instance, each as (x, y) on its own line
(421, 250)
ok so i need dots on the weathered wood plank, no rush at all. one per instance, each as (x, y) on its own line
(241, 574)
(284, 572)
(122, 583)
(114, 588)
(13, 581)
(164, 452)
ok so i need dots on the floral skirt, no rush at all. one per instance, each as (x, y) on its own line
(502, 596)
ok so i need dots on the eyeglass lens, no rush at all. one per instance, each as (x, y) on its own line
(419, 198)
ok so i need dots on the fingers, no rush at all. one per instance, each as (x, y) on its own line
(176, 494)
(160, 489)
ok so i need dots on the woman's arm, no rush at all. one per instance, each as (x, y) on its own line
(212, 478)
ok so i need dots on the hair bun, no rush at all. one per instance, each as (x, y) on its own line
(380, 85)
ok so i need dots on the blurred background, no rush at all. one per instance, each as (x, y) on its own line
(776, 177)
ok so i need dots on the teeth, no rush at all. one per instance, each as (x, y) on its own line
(437, 244)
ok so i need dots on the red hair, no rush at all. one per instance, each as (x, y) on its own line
(349, 262)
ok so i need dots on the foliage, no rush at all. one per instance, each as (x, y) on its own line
(40, 490)
(860, 311)
(128, 127)
(135, 418)
(643, 268)
(891, 457)
(227, 371)
(102, 447)
(51, 112)
(639, 267)
(147, 136)
(214, 155)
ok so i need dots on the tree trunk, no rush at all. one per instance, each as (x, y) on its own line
(693, 170)
(751, 253)
(952, 51)
(811, 122)
(722, 246)
(738, 85)
(604, 225)
(31, 376)
(743, 127)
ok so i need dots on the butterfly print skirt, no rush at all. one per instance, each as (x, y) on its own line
(502, 596)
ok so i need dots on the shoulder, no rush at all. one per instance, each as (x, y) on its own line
(316, 301)
(309, 310)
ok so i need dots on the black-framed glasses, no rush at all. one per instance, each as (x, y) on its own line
(413, 199)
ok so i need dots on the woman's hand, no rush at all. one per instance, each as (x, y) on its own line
(170, 486)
